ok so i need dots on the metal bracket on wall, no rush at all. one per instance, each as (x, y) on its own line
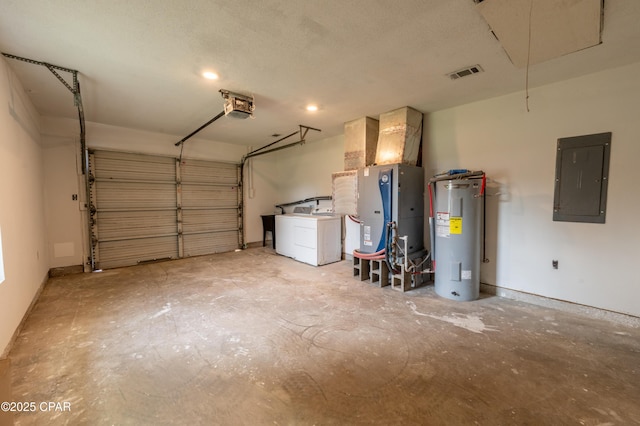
(77, 100)
(75, 90)
(303, 134)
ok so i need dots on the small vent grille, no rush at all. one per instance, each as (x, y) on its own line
(474, 69)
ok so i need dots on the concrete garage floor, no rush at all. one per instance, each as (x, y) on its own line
(254, 338)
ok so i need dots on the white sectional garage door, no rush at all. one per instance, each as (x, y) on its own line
(146, 208)
(210, 216)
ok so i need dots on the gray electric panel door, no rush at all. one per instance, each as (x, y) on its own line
(146, 208)
(582, 171)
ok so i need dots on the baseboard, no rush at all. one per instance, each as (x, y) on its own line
(66, 270)
(6, 351)
(562, 305)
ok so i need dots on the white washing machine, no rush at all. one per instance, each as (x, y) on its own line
(310, 239)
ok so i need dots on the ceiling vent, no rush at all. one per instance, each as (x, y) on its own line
(237, 105)
(474, 69)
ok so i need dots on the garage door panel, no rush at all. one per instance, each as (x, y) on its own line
(114, 254)
(134, 195)
(207, 243)
(127, 224)
(209, 196)
(146, 207)
(140, 167)
(194, 171)
(209, 220)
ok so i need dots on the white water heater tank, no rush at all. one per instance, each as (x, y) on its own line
(458, 237)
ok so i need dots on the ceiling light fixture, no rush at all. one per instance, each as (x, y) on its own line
(312, 108)
(210, 75)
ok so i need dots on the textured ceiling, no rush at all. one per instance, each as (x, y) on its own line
(140, 61)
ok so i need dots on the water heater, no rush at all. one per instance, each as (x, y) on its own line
(457, 230)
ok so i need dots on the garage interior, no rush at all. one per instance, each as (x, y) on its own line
(138, 283)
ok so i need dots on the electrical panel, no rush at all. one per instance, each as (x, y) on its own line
(582, 174)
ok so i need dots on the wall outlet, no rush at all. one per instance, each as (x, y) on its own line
(554, 263)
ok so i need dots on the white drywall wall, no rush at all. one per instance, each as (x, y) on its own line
(22, 207)
(103, 136)
(1, 259)
(63, 175)
(261, 189)
(517, 149)
(305, 170)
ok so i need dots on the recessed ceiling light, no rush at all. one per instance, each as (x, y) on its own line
(312, 108)
(210, 75)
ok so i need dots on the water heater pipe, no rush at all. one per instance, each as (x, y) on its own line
(379, 255)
